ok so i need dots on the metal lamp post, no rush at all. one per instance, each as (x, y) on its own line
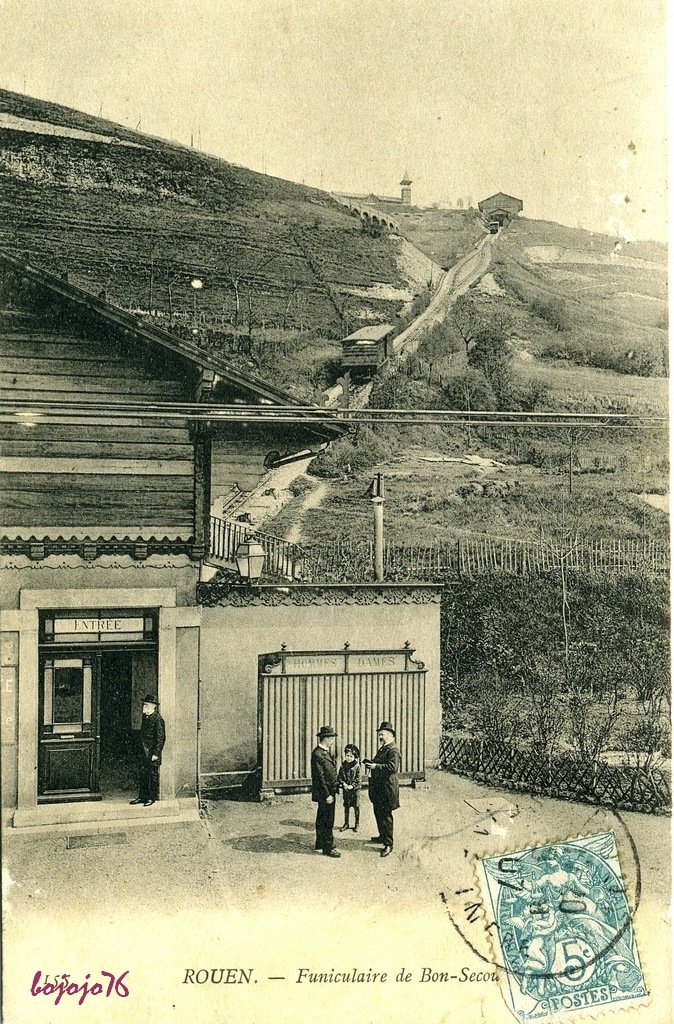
(197, 284)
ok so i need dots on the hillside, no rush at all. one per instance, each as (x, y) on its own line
(603, 302)
(140, 218)
(567, 308)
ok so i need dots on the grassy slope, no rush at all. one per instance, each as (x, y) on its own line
(613, 295)
(130, 219)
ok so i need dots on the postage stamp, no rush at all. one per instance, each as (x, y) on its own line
(563, 928)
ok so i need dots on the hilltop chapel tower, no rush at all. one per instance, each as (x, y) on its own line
(406, 190)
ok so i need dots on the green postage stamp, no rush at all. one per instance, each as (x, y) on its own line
(562, 928)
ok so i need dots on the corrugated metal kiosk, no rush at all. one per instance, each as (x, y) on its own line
(299, 691)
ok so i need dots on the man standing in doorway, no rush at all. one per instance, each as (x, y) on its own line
(324, 788)
(383, 785)
(152, 739)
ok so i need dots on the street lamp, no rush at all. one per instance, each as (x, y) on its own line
(249, 557)
(197, 284)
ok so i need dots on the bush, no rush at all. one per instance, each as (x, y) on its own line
(503, 636)
(552, 311)
(641, 361)
(300, 485)
(469, 390)
(351, 455)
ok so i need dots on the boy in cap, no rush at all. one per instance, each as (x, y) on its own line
(152, 739)
(383, 786)
(323, 789)
(349, 781)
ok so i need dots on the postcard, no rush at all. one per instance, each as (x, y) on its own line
(334, 479)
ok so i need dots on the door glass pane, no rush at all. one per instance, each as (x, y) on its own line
(48, 691)
(68, 693)
(86, 712)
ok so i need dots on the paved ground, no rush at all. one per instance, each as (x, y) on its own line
(245, 887)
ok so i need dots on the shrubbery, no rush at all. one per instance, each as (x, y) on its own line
(506, 663)
(351, 455)
(641, 361)
(553, 311)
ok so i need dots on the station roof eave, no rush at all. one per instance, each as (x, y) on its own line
(373, 333)
(263, 391)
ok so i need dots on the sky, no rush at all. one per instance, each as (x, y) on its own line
(559, 102)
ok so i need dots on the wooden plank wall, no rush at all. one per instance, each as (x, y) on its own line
(115, 478)
(238, 453)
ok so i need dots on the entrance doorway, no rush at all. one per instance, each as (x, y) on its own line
(117, 753)
(125, 677)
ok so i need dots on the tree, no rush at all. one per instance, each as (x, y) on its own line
(236, 277)
(466, 318)
(574, 438)
(593, 716)
(173, 275)
(491, 355)
(470, 390)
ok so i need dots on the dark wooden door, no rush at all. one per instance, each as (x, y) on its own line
(69, 736)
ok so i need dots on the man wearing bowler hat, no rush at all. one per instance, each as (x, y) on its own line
(324, 788)
(152, 739)
(383, 770)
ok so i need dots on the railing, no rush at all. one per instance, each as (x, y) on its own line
(624, 786)
(281, 557)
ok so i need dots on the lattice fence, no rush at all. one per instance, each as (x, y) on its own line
(621, 786)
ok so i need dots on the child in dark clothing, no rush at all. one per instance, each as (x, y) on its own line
(349, 780)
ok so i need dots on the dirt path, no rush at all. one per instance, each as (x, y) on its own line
(456, 281)
(659, 501)
(312, 499)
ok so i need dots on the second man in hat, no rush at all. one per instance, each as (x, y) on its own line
(324, 788)
(383, 786)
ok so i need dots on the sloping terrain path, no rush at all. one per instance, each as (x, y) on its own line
(456, 281)
(312, 499)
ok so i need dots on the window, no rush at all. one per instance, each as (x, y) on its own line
(67, 694)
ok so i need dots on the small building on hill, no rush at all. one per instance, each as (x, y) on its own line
(500, 207)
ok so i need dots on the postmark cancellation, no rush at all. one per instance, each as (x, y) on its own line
(563, 929)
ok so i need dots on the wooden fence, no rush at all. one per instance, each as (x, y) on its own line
(474, 556)
(353, 560)
(621, 786)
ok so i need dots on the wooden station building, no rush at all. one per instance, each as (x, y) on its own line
(500, 207)
(106, 591)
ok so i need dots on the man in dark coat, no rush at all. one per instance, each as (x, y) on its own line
(383, 785)
(152, 739)
(324, 788)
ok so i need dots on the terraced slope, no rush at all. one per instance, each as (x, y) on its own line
(140, 218)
